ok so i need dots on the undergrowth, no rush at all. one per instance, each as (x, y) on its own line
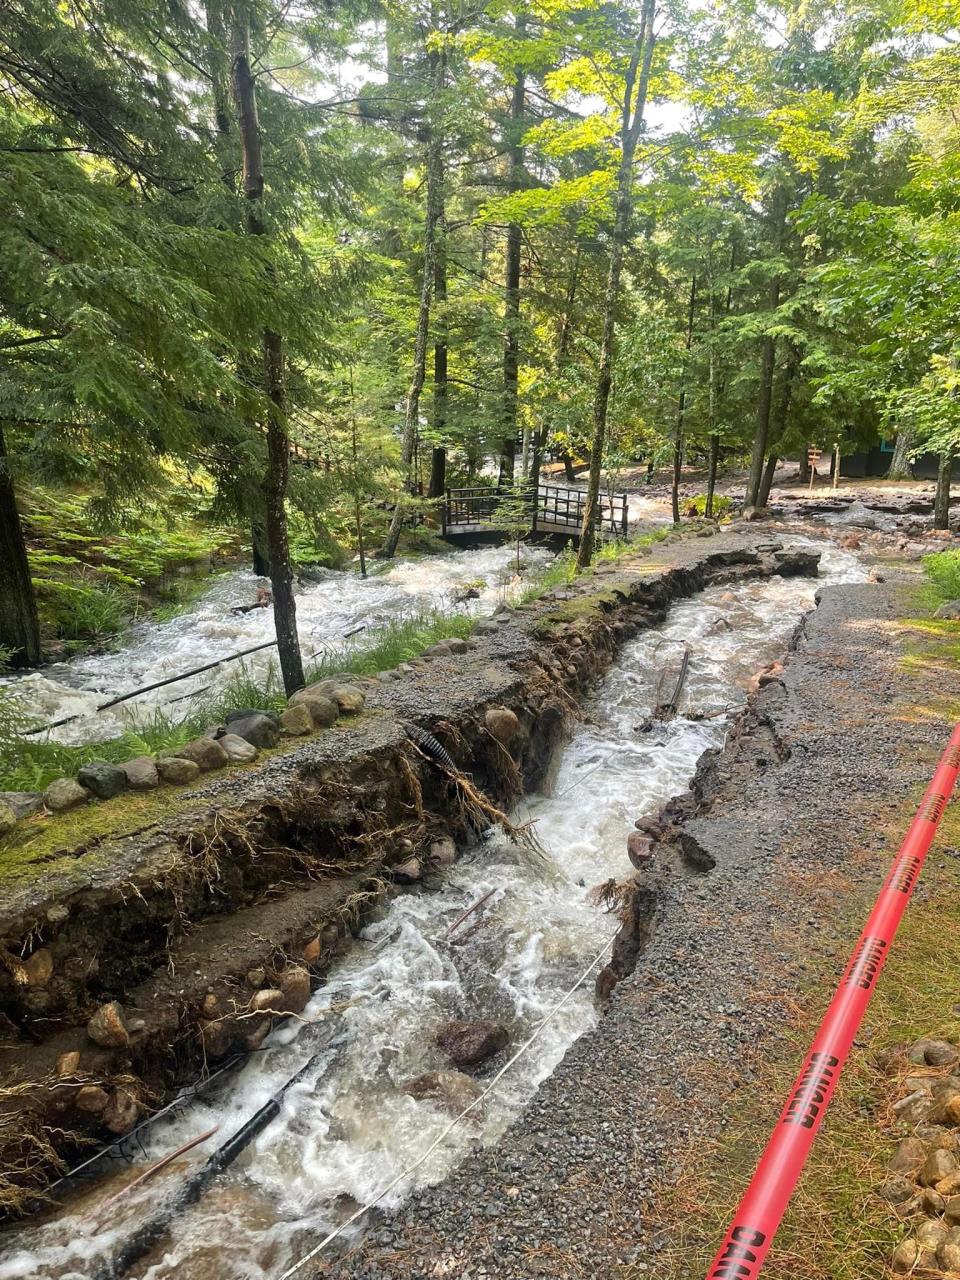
(563, 570)
(943, 570)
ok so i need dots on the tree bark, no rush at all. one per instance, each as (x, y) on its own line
(511, 283)
(941, 503)
(900, 462)
(19, 625)
(712, 474)
(768, 356)
(778, 430)
(438, 458)
(681, 409)
(634, 105)
(411, 416)
(278, 444)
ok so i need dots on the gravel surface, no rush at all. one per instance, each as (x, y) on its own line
(798, 805)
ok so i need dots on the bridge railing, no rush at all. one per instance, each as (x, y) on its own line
(552, 507)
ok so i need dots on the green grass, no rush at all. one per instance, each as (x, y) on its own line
(563, 570)
(29, 764)
(943, 570)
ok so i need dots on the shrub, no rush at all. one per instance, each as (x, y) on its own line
(943, 570)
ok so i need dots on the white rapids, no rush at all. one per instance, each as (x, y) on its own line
(341, 610)
(342, 1137)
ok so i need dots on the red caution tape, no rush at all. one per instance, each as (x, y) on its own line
(746, 1244)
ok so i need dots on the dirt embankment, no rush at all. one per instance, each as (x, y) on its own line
(132, 964)
(762, 876)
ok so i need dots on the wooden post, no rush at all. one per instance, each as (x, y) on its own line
(813, 457)
(836, 464)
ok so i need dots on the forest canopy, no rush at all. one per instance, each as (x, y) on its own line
(414, 245)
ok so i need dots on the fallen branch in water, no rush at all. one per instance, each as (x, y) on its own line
(155, 1168)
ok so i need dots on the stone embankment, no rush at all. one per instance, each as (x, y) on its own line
(131, 963)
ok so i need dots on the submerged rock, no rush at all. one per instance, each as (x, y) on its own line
(63, 794)
(468, 1043)
(453, 1090)
(103, 779)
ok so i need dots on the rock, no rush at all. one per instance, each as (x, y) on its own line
(794, 563)
(930, 1236)
(459, 646)
(8, 819)
(908, 1157)
(141, 773)
(501, 724)
(453, 1090)
(107, 1027)
(23, 804)
(914, 1107)
(468, 1043)
(238, 749)
(950, 609)
(217, 1037)
(756, 513)
(949, 1208)
(639, 849)
(940, 1053)
(38, 968)
(947, 1109)
(244, 713)
(270, 1000)
(950, 1185)
(348, 698)
(311, 952)
(68, 1064)
(296, 722)
(324, 711)
(938, 1165)
(850, 542)
(255, 1038)
(256, 977)
(295, 988)
(63, 794)
(905, 1257)
(443, 852)
(206, 754)
(895, 1190)
(176, 771)
(120, 1113)
(948, 1254)
(103, 779)
(408, 872)
(258, 729)
(933, 1204)
(91, 1098)
(918, 1052)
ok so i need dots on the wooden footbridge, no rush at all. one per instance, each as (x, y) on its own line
(551, 510)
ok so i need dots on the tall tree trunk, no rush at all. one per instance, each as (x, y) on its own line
(716, 388)
(941, 503)
(563, 346)
(778, 429)
(260, 552)
(634, 105)
(712, 474)
(438, 458)
(278, 444)
(768, 357)
(19, 625)
(411, 416)
(511, 283)
(681, 408)
(900, 462)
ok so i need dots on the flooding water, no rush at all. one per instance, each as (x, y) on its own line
(340, 611)
(348, 1130)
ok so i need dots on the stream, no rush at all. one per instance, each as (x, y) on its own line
(348, 1129)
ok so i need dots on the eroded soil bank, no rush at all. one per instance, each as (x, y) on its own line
(208, 922)
(762, 876)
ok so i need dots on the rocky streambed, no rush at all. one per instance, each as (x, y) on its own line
(205, 935)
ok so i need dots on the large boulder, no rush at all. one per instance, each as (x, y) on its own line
(452, 1090)
(63, 794)
(258, 729)
(237, 748)
(468, 1043)
(796, 563)
(141, 773)
(176, 771)
(324, 711)
(501, 724)
(344, 690)
(206, 754)
(103, 779)
(23, 804)
(296, 722)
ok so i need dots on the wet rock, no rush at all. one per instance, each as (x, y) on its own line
(141, 773)
(206, 753)
(23, 804)
(443, 852)
(270, 1000)
(295, 988)
(255, 1037)
(108, 1028)
(68, 1064)
(639, 849)
(256, 977)
(120, 1113)
(324, 711)
(948, 1253)
(38, 968)
(296, 722)
(468, 1043)
(63, 794)
(258, 729)
(908, 1157)
(949, 609)
(238, 749)
(176, 771)
(938, 1165)
(311, 952)
(408, 872)
(103, 779)
(8, 819)
(453, 1090)
(91, 1098)
(501, 724)
(793, 563)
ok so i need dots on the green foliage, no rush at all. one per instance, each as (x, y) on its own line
(698, 504)
(943, 570)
